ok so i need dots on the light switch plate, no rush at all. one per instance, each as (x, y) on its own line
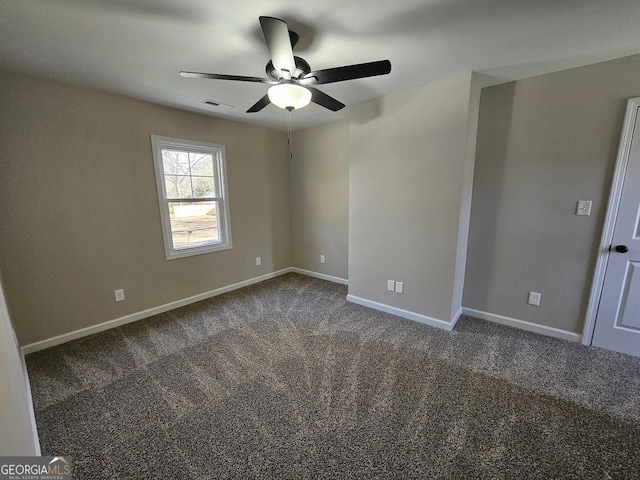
(399, 287)
(119, 294)
(584, 207)
(391, 285)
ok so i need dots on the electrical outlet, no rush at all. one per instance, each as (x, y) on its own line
(258, 261)
(321, 258)
(584, 207)
(391, 285)
(119, 294)
(534, 298)
(399, 287)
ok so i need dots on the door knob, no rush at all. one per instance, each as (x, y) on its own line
(621, 249)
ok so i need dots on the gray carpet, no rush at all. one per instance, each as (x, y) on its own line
(285, 379)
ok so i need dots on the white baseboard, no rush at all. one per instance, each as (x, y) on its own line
(322, 276)
(101, 327)
(83, 332)
(456, 316)
(32, 415)
(416, 317)
(522, 325)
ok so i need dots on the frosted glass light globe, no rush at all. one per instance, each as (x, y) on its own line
(289, 96)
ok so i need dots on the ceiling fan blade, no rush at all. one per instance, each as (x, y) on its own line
(325, 100)
(350, 72)
(259, 105)
(276, 34)
(216, 76)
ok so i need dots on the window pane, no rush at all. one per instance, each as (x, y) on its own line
(201, 164)
(203, 187)
(175, 162)
(178, 186)
(193, 224)
(191, 190)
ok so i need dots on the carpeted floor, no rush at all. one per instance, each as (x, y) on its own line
(285, 379)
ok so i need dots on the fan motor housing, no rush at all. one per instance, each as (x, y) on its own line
(302, 68)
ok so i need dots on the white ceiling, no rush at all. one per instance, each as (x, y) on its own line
(137, 47)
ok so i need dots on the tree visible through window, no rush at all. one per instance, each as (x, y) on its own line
(191, 190)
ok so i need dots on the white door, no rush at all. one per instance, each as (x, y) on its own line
(618, 318)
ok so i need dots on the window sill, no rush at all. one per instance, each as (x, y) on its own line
(190, 252)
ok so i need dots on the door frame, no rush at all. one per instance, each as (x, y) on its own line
(622, 160)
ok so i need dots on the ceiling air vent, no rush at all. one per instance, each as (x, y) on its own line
(213, 103)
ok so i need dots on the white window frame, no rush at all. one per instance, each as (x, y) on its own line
(217, 152)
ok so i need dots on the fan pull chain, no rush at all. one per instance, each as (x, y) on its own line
(289, 135)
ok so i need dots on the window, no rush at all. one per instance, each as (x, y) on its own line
(192, 191)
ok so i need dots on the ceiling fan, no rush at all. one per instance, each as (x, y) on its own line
(291, 77)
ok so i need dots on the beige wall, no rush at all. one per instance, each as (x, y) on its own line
(319, 182)
(543, 144)
(407, 189)
(80, 214)
(15, 412)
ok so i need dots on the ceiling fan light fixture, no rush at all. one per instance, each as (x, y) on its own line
(289, 96)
